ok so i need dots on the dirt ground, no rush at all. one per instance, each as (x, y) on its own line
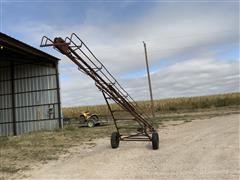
(201, 149)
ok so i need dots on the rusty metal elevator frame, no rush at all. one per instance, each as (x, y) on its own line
(78, 52)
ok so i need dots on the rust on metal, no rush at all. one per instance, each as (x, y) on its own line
(77, 51)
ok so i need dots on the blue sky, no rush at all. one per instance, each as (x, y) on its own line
(193, 46)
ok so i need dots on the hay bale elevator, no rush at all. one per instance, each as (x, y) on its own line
(29, 89)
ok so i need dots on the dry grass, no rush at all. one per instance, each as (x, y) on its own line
(166, 105)
(21, 152)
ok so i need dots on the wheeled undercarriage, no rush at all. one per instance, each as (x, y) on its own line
(77, 51)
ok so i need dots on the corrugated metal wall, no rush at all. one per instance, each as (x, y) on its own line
(35, 98)
(6, 126)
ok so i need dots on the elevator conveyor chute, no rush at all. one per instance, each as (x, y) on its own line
(134, 118)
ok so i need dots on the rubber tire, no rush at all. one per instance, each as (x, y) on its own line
(115, 139)
(155, 141)
(82, 119)
(95, 118)
(90, 123)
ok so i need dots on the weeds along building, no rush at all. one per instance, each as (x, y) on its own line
(29, 89)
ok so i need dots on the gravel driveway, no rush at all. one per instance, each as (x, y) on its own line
(201, 149)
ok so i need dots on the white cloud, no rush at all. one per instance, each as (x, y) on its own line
(189, 36)
(189, 78)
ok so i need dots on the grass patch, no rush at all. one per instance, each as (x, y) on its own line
(20, 152)
(9, 169)
(188, 104)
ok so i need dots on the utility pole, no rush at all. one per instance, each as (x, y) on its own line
(149, 79)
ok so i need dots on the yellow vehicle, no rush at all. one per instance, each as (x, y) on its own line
(89, 119)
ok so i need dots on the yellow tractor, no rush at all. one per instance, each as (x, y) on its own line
(89, 119)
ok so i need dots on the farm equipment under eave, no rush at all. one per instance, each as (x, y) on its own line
(77, 51)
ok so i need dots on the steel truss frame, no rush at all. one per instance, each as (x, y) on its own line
(78, 52)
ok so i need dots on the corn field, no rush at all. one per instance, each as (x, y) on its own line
(165, 105)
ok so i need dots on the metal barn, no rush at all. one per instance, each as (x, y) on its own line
(29, 89)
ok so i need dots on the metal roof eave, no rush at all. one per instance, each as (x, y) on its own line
(25, 47)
